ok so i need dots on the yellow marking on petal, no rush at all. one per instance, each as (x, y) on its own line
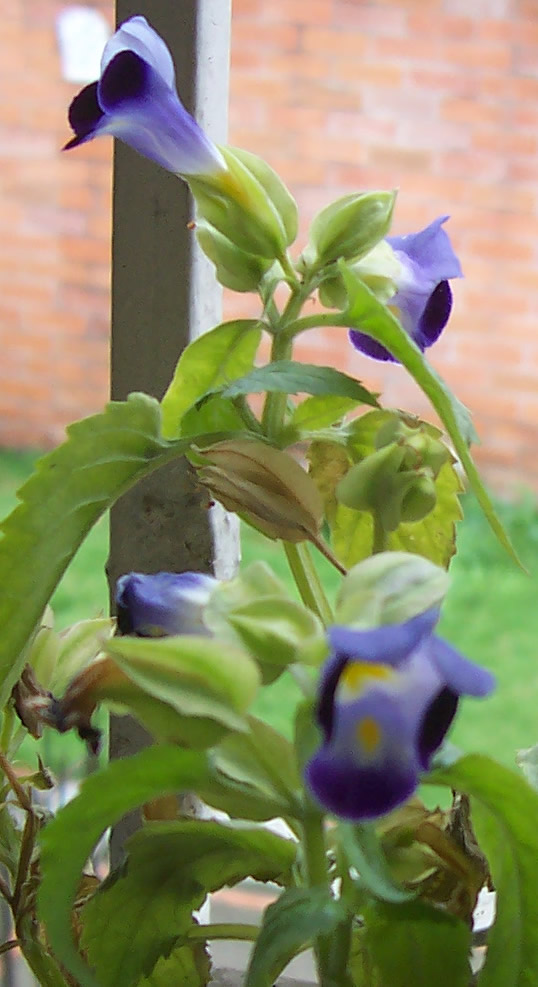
(357, 674)
(369, 734)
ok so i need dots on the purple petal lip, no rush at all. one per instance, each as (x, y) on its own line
(136, 101)
(423, 300)
(162, 604)
(387, 698)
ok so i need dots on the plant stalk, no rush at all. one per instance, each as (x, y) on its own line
(317, 875)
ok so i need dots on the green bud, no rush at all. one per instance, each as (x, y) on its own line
(332, 293)
(422, 448)
(375, 484)
(235, 268)
(277, 192)
(244, 203)
(389, 588)
(421, 497)
(351, 226)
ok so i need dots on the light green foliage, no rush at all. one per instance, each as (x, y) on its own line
(367, 313)
(188, 966)
(504, 814)
(141, 913)
(72, 486)
(104, 798)
(263, 759)
(352, 529)
(193, 676)
(415, 945)
(289, 925)
(364, 853)
(221, 355)
(528, 762)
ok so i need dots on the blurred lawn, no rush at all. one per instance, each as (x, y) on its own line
(491, 614)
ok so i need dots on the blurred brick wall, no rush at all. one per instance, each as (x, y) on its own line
(438, 98)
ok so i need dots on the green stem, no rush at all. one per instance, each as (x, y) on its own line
(317, 875)
(42, 965)
(380, 541)
(225, 930)
(8, 722)
(275, 403)
(308, 582)
(320, 319)
(248, 417)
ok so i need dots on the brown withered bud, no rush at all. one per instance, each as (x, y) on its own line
(33, 704)
(264, 485)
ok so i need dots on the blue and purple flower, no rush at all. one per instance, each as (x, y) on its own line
(163, 604)
(423, 265)
(387, 698)
(136, 101)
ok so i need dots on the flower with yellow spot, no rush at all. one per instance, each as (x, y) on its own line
(386, 700)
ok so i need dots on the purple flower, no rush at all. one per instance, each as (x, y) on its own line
(163, 604)
(136, 101)
(423, 298)
(387, 698)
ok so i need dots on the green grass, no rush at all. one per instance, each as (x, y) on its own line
(490, 614)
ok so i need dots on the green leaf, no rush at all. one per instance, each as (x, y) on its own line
(188, 966)
(289, 925)
(104, 798)
(321, 411)
(289, 377)
(367, 313)
(224, 353)
(264, 759)
(214, 415)
(141, 913)
(364, 853)
(504, 814)
(414, 945)
(102, 457)
(193, 674)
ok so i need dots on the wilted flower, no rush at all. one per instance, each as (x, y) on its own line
(387, 698)
(422, 264)
(163, 604)
(136, 101)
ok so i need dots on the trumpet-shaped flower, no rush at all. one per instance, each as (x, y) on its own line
(136, 101)
(387, 698)
(422, 265)
(163, 604)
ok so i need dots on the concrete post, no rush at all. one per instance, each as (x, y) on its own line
(163, 294)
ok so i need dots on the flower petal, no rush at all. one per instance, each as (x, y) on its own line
(387, 645)
(434, 316)
(431, 250)
(435, 724)
(145, 113)
(369, 766)
(461, 675)
(137, 36)
(162, 604)
(370, 347)
(85, 116)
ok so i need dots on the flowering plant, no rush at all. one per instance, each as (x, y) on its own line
(382, 888)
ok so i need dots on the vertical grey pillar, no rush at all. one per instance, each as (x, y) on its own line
(163, 294)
